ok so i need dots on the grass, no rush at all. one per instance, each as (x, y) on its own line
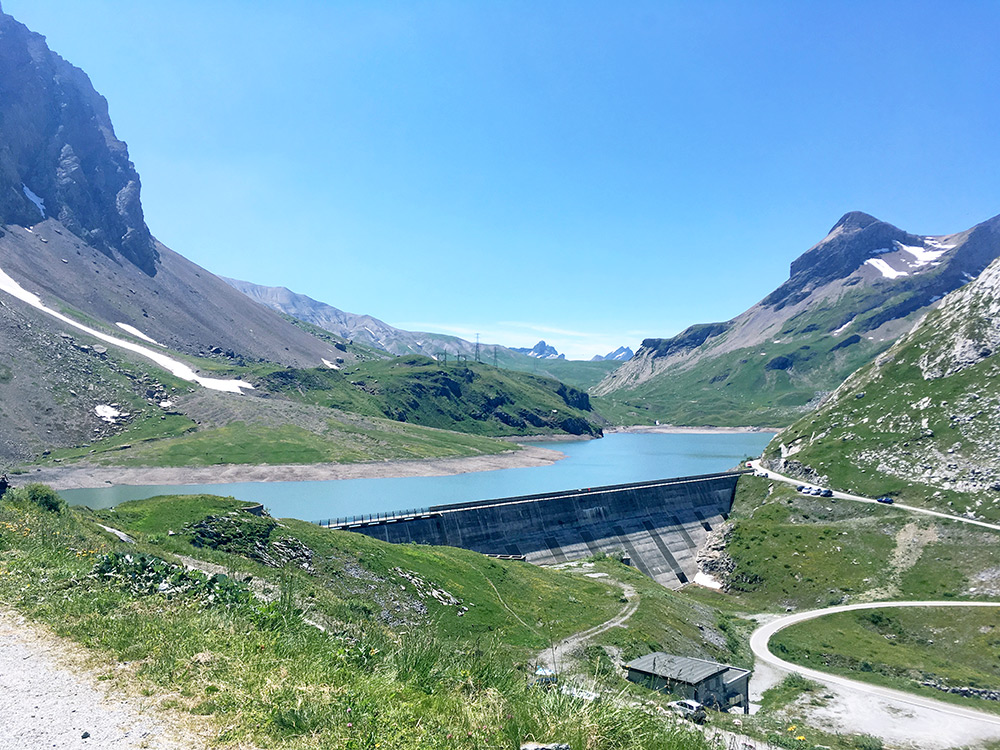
(265, 677)
(470, 397)
(790, 690)
(793, 551)
(903, 648)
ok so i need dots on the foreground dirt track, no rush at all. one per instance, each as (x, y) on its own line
(50, 699)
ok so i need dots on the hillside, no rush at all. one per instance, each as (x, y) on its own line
(922, 422)
(846, 300)
(282, 634)
(376, 333)
(468, 397)
(110, 342)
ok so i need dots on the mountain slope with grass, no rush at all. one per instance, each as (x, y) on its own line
(468, 397)
(848, 299)
(922, 422)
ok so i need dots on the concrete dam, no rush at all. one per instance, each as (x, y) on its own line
(660, 525)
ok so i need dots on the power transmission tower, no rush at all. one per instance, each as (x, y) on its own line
(477, 349)
(494, 356)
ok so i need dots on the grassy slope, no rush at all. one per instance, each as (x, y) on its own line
(888, 425)
(434, 681)
(469, 397)
(903, 648)
(804, 552)
(746, 386)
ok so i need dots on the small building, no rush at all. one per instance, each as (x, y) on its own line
(718, 686)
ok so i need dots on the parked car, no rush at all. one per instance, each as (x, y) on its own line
(885, 499)
(826, 493)
(800, 488)
(689, 709)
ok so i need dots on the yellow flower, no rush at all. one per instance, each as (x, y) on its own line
(800, 737)
(791, 728)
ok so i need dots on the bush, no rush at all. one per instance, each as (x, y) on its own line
(40, 495)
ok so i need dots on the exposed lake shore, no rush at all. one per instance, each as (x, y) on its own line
(86, 476)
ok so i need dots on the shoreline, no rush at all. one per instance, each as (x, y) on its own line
(670, 429)
(90, 476)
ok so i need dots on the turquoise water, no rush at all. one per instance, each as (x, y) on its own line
(615, 459)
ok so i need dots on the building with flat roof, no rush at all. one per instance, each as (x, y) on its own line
(719, 686)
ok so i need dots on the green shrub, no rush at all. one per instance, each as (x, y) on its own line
(40, 495)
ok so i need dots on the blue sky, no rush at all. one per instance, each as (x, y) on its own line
(587, 173)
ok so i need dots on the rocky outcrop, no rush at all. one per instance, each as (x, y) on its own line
(60, 157)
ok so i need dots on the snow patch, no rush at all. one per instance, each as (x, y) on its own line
(137, 333)
(704, 579)
(935, 242)
(885, 269)
(330, 364)
(842, 328)
(107, 413)
(30, 195)
(176, 368)
(922, 255)
(166, 404)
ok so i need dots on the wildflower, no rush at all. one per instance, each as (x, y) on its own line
(801, 737)
(791, 728)
(349, 724)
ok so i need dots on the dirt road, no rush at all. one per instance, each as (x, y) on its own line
(895, 716)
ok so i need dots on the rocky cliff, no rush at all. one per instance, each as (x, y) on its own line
(60, 157)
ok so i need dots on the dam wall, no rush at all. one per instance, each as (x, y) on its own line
(660, 525)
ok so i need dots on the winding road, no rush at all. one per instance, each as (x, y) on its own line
(755, 465)
(885, 712)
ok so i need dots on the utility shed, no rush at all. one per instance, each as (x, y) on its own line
(719, 686)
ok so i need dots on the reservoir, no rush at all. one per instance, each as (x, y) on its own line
(615, 459)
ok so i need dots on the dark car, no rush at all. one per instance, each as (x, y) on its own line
(800, 487)
(826, 493)
(885, 499)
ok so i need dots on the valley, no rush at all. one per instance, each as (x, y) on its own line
(625, 503)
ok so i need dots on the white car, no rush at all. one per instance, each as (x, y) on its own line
(689, 709)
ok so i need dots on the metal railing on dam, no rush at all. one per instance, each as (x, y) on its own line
(659, 524)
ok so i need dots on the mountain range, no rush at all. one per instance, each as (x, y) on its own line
(847, 299)
(373, 332)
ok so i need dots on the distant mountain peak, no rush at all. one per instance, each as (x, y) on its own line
(541, 350)
(621, 354)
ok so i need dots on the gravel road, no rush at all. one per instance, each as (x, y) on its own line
(900, 718)
(49, 698)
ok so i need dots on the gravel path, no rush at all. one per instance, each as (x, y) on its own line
(50, 699)
(897, 717)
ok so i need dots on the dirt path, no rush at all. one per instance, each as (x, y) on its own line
(51, 698)
(558, 656)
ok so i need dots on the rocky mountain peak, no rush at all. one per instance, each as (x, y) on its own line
(852, 221)
(60, 157)
(541, 350)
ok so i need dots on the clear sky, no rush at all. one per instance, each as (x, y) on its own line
(587, 173)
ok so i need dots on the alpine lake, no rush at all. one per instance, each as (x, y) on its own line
(618, 458)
